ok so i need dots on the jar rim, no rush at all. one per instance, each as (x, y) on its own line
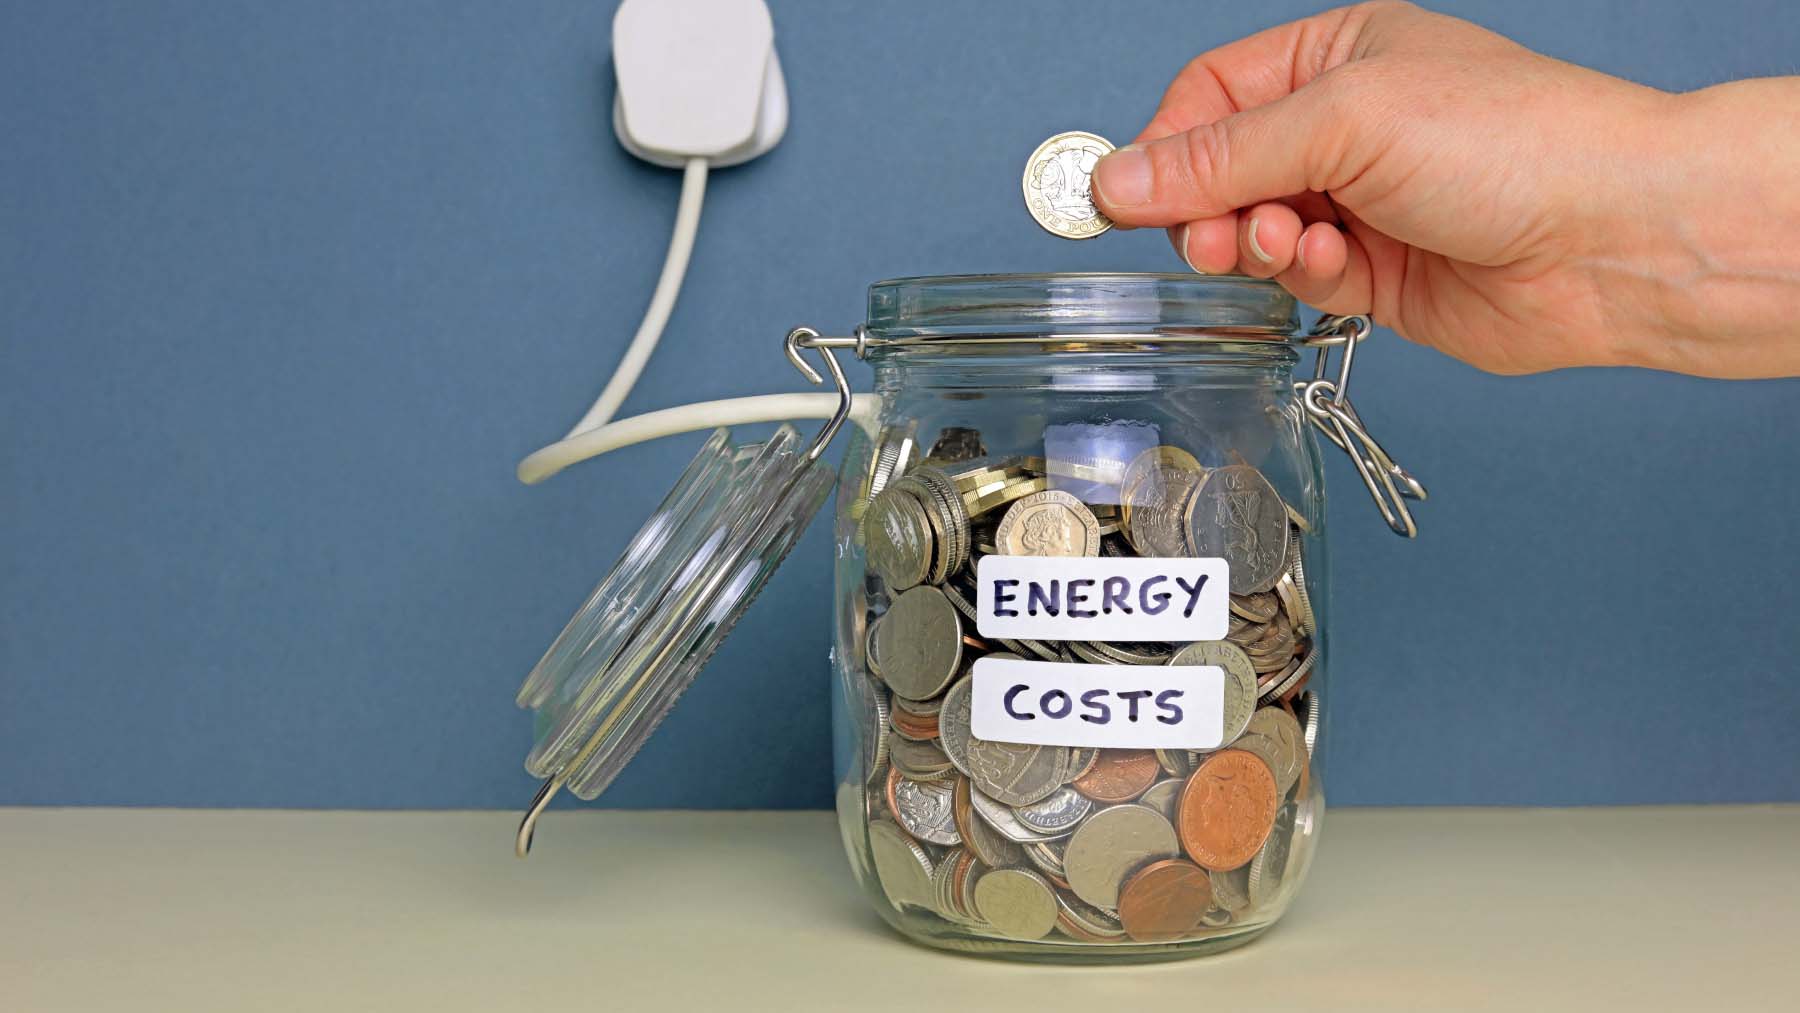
(1086, 306)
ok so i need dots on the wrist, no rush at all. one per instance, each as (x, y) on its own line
(1703, 269)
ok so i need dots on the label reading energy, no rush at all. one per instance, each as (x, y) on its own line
(1054, 703)
(1104, 598)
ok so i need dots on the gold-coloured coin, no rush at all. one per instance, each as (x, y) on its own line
(1057, 182)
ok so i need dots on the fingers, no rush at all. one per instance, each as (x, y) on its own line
(1290, 146)
(1208, 246)
(1330, 270)
(1267, 239)
(1321, 264)
(1256, 70)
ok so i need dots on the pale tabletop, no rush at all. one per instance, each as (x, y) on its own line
(1438, 909)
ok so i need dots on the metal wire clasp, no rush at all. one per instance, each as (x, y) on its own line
(806, 337)
(1327, 405)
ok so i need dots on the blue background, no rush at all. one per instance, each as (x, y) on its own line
(286, 289)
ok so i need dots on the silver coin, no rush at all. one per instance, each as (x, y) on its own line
(943, 893)
(1088, 918)
(919, 708)
(1294, 674)
(993, 848)
(1133, 654)
(1019, 904)
(1231, 890)
(1296, 573)
(1308, 704)
(875, 727)
(1016, 773)
(921, 761)
(902, 866)
(919, 642)
(1001, 817)
(1309, 813)
(1257, 608)
(1165, 797)
(1046, 855)
(891, 458)
(924, 811)
(1081, 759)
(1176, 762)
(1240, 679)
(1111, 845)
(1087, 653)
(1057, 185)
(1057, 813)
(959, 598)
(1039, 648)
(898, 538)
(1269, 867)
(946, 516)
(1153, 498)
(1237, 515)
(953, 723)
(1274, 735)
(852, 814)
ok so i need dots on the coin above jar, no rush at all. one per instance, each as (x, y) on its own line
(1058, 185)
(1026, 842)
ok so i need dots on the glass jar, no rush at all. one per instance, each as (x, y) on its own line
(1079, 664)
(1093, 418)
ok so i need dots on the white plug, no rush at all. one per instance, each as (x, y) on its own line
(697, 79)
(699, 86)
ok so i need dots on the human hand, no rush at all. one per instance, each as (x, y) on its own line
(1514, 211)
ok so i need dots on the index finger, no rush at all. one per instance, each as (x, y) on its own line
(1254, 71)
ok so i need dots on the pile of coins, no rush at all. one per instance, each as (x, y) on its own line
(1020, 842)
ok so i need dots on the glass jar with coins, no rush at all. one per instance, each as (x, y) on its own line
(1080, 630)
(1081, 650)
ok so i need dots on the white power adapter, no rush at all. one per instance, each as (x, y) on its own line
(699, 86)
(697, 79)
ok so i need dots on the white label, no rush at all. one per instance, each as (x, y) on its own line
(1055, 703)
(1104, 598)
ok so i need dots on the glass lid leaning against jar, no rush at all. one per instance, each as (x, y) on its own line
(1079, 665)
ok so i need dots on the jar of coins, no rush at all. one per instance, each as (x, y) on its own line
(1080, 651)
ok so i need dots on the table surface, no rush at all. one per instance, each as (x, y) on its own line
(1440, 909)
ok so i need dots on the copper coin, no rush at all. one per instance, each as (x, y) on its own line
(1119, 775)
(918, 727)
(1164, 900)
(958, 883)
(1227, 809)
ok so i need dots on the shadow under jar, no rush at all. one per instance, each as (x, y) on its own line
(1067, 427)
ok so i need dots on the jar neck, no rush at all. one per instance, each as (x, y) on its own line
(1001, 366)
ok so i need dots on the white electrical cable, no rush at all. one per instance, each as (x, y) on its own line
(686, 419)
(596, 433)
(656, 317)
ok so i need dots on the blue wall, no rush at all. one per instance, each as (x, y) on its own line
(286, 289)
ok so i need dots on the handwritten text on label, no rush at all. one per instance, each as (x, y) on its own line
(1120, 706)
(1104, 598)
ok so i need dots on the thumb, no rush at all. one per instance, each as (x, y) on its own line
(1292, 145)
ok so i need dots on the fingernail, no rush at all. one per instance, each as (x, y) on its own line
(1256, 247)
(1123, 177)
(1300, 251)
(1184, 251)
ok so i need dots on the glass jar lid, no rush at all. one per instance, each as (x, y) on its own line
(683, 581)
(681, 584)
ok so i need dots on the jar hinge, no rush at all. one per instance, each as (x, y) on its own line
(1328, 407)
